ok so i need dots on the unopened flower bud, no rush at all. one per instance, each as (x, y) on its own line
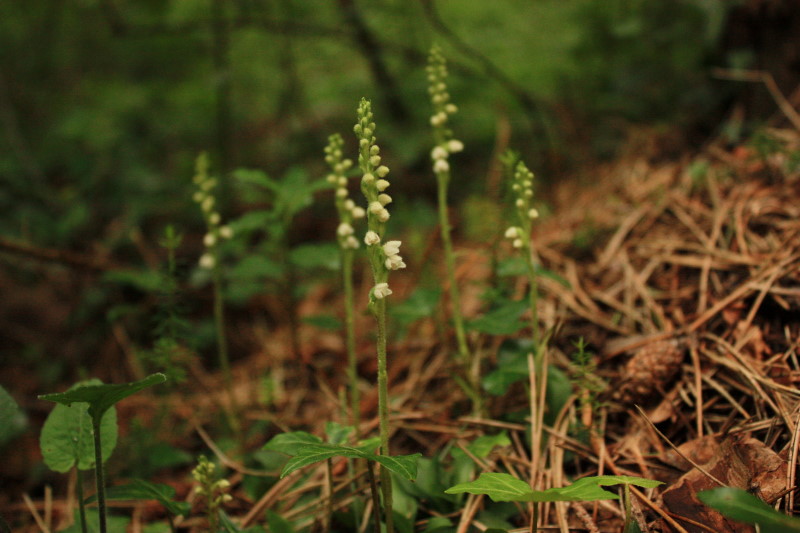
(382, 171)
(207, 261)
(225, 232)
(454, 146)
(441, 166)
(384, 199)
(209, 240)
(371, 238)
(358, 212)
(438, 153)
(381, 185)
(375, 207)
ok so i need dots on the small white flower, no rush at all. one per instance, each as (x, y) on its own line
(358, 212)
(210, 240)
(207, 261)
(368, 178)
(382, 185)
(383, 216)
(208, 204)
(344, 229)
(438, 153)
(342, 181)
(382, 171)
(375, 207)
(350, 243)
(533, 213)
(331, 178)
(441, 166)
(392, 248)
(384, 199)
(341, 192)
(371, 238)
(394, 262)
(225, 232)
(528, 193)
(517, 243)
(214, 219)
(198, 197)
(520, 202)
(349, 204)
(347, 163)
(450, 108)
(454, 146)
(512, 232)
(375, 160)
(381, 291)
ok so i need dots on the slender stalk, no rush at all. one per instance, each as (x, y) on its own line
(383, 412)
(222, 350)
(376, 500)
(81, 505)
(350, 338)
(99, 480)
(326, 523)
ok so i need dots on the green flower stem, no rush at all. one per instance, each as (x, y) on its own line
(81, 505)
(376, 500)
(222, 350)
(383, 410)
(99, 480)
(350, 337)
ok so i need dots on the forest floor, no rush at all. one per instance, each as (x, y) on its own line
(683, 277)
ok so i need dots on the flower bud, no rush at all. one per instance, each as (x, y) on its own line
(441, 166)
(381, 291)
(382, 171)
(454, 146)
(381, 185)
(358, 212)
(371, 238)
(384, 199)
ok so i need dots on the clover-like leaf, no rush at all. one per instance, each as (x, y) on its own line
(507, 488)
(102, 397)
(742, 506)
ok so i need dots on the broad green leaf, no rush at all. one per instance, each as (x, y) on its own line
(277, 523)
(501, 321)
(338, 433)
(113, 523)
(291, 443)
(139, 489)
(66, 439)
(101, 397)
(742, 506)
(439, 524)
(403, 465)
(507, 488)
(12, 419)
(320, 255)
(483, 445)
(328, 322)
(420, 304)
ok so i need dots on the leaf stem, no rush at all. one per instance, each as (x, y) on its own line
(98, 473)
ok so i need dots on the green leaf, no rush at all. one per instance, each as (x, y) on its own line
(402, 465)
(742, 506)
(483, 445)
(291, 443)
(502, 321)
(278, 524)
(101, 397)
(507, 488)
(12, 419)
(139, 489)
(327, 322)
(66, 439)
(420, 304)
(325, 256)
(114, 523)
(439, 524)
(338, 433)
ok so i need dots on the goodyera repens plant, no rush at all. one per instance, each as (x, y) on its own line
(383, 258)
(212, 490)
(348, 243)
(444, 145)
(204, 196)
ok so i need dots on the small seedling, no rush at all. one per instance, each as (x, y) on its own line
(100, 399)
(507, 488)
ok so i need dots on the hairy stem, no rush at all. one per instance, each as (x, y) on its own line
(383, 411)
(222, 350)
(350, 338)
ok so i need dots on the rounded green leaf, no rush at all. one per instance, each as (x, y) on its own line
(67, 440)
